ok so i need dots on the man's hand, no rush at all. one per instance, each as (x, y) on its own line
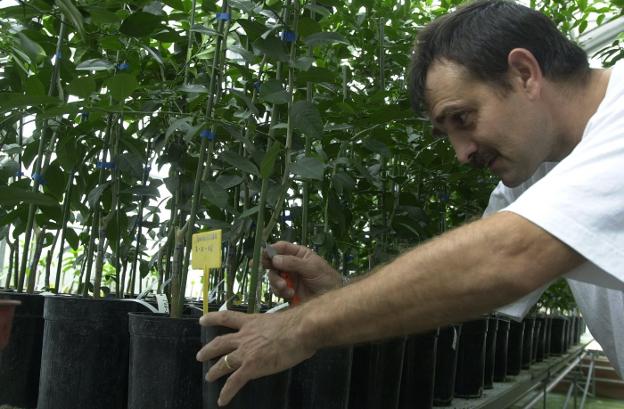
(264, 344)
(311, 274)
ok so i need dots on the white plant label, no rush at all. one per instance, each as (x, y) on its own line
(163, 303)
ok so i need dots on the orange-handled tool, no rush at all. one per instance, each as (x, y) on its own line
(295, 300)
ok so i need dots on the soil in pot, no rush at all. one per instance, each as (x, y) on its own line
(527, 342)
(418, 371)
(376, 374)
(446, 365)
(163, 370)
(514, 348)
(21, 359)
(471, 359)
(490, 353)
(84, 361)
(269, 392)
(502, 340)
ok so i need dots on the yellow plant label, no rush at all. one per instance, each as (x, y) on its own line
(206, 250)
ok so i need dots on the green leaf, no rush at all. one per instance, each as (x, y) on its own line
(198, 28)
(72, 238)
(122, 86)
(14, 100)
(376, 146)
(343, 182)
(244, 5)
(317, 74)
(33, 50)
(272, 47)
(252, 28)
(268, 162)
(306, 117)
(272, 92)
(10, 196)
(100, 15)
(33, 86)
(94, 65)
(215, 194)
(229, 181)
(239, 163)
(308, 26)
(140, 24)
(252, 108)
(323, 11)
(324, 38)
(249, 212)
(82, 87)
(194, 88)
(308, 167)
(93, 197)
(8, 169)
(73, 15)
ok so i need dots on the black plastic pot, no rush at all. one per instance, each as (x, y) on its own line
(514, 348)
(540, 350)
(21, 359)
(490, 353)
(269, 392)
(527, 342)
(418, 371)
(548, 337)
(502, 340)
(557, 337)
(471, 359)
(376, 374)
(322, 381)
(446, 365)
(566, 335)
(84, 361)
(163, 371)
(537, 330)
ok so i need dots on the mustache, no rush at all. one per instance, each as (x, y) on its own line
(481, 160)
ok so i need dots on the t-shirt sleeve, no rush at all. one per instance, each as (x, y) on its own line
(581, 200)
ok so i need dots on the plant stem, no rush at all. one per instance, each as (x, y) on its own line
(66, 201)
(176, 310)
(38, 161)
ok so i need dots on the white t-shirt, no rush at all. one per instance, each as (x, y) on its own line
(580, 200)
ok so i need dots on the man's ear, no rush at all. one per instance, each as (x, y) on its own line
(524, 71)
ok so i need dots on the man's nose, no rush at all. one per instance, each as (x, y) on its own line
(465, 148)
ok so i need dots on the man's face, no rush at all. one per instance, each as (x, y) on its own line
(502, 130)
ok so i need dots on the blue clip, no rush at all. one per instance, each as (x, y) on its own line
(223, 16)
(84, 115)
(288, 36)
(19, 173)
(123, 66)
(39, 179)
(207, 134)
(58, 55)
(104, 165)
(147, 170)
(443, 197)
(257, 84)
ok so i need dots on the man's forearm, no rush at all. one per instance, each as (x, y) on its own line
(459, 275)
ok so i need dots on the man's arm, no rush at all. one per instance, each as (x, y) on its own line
(459, 275)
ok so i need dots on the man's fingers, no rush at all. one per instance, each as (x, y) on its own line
(233, 385)
(223, 366)
(230, 319)
(279, 285)
(219, 346)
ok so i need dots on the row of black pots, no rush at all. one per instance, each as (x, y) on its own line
(89, 347)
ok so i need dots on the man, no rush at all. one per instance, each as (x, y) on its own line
(511, 93)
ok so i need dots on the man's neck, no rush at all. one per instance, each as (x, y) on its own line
(573, 108)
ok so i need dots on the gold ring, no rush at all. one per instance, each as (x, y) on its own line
(227, 364)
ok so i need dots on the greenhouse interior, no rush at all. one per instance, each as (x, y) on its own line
(311, 204)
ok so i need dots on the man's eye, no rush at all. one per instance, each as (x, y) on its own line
(460, 118)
